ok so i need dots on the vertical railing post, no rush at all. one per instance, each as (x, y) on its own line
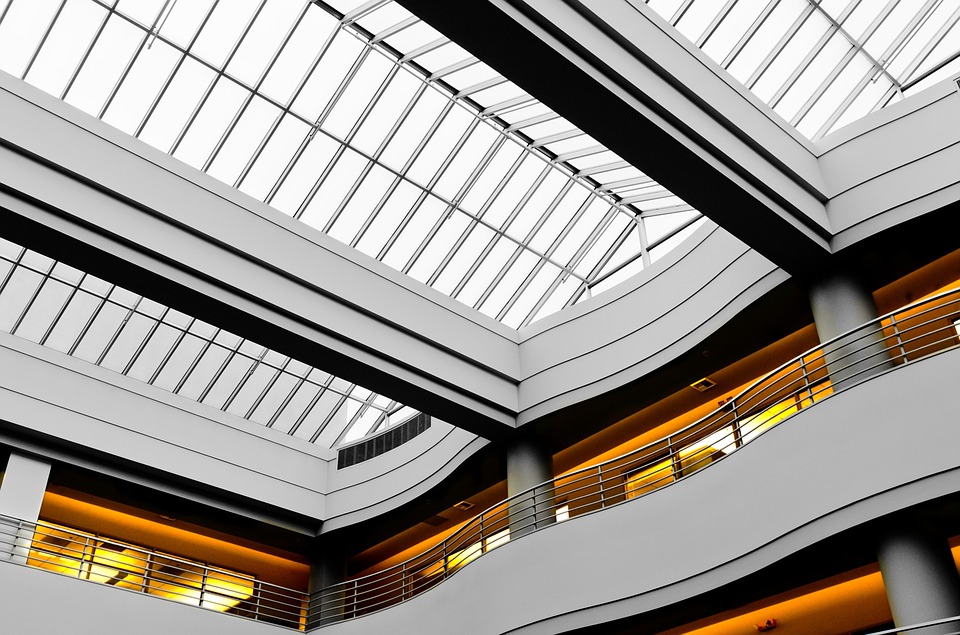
(674, 460)
(444, 556)
(737, 435)
(83, 557)
(896, 333)
(735, 424)
(483, 537)
(806, 381)
(23, 541)
(203, 584)
(603, 497)
(147, 566)
(356, 599)
(257, 595)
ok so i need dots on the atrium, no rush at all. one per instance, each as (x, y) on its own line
(307, 306)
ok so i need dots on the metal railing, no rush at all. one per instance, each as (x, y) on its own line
(117, 563)
(900, 337)
(945, 626)
(894, 339)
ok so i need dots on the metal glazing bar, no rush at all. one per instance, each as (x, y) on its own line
(424, 49)
(90, 320)
(256, 91)
(780, 46)
(257, 363)
(644, 241)
(907, 77)
(680, 12)
(585, 249)
(220, 73)
(329, 418)
(609, 254)
(6, 8)
(286, 400)
(396, 28)
(110, 10)
(66, 303)
(859, 43)
(905, 35)
(367, 7)
(715, 23)
(867, 34)
(309, 407)
(130, 311)
(165, 11)
(750, 33)
(473, 224)
(553, 247)
(231, 354)
(44, 276)
(43, 39)
(832, 27)
(355, 419)
(453, 68)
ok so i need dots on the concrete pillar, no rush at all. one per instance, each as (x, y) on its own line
(920, 579)
(529, 464)
(21, 494)
(841, 303)
(329, 596)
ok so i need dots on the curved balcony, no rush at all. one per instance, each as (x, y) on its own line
(895, 339)
(123, 565)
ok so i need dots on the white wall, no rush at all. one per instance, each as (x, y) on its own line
(874, 449)
(97, 410)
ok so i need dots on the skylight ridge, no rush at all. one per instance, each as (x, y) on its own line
(822, 64)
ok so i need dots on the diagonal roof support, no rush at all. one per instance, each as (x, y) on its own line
(108, 204)
(624, 76)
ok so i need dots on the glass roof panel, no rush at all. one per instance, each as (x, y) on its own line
(822, 64)
(353, 117)
(251, 90)
(52, 304)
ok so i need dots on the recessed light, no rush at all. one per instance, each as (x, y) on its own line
(703, 384)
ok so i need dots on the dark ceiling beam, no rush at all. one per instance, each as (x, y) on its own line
(82, 192)
(618, 72)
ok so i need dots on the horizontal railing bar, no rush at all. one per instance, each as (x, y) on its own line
(913, 627)
(80, 554)
(780, 393)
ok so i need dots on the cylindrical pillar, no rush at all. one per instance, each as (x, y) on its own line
(21, 495)
(529, 464)
(840, 303)
(920, 578)
(327, 588)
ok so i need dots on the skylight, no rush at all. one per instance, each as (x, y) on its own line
(68, 310)
(822, 64)
(364, 122)
(357, 119)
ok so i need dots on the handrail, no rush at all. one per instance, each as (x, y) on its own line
(118, 563)
(899, 337)
(895, 338)
(915, 627)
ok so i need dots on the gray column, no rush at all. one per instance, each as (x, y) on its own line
(841, 303)
(21, 494)
(328, 593)
(529, 464)
(920, 578)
